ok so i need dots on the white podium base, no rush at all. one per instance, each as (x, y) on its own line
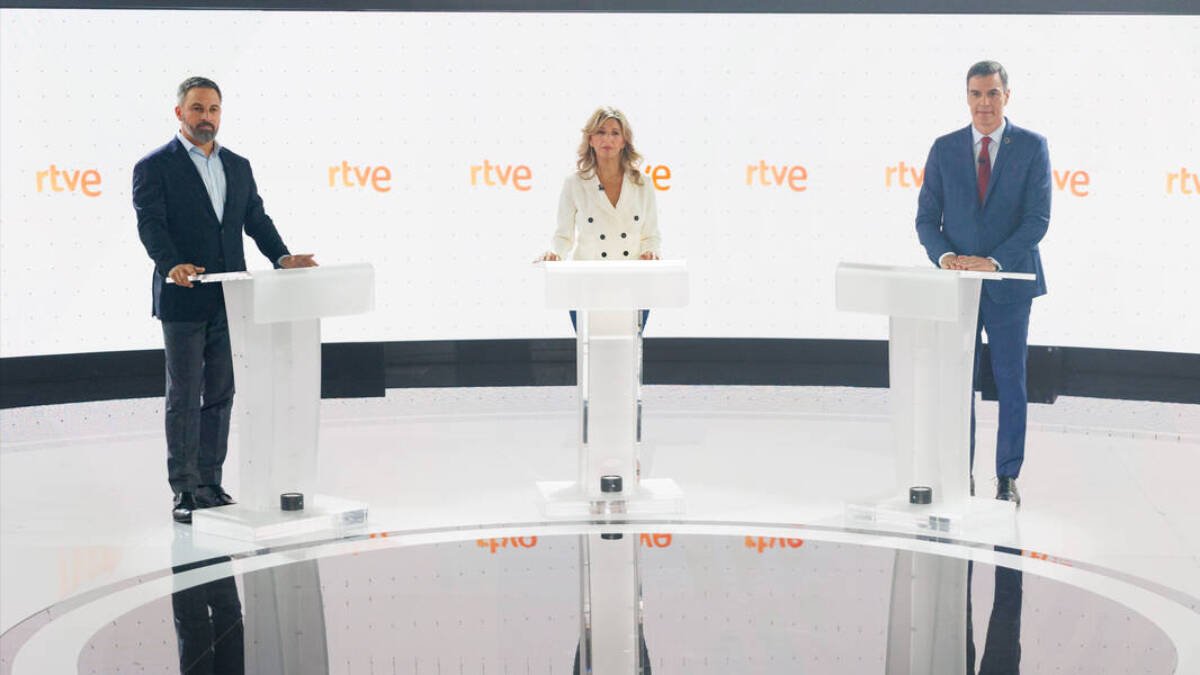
(321, 513)
(653, 496)
(939, 517)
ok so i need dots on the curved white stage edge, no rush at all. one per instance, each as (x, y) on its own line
(1110, 508)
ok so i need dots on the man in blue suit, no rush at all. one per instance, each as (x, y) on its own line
(985, 205)
(194, 199)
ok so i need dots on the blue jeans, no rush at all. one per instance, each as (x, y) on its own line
(199, 400)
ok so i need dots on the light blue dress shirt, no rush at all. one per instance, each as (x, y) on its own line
(211, 170)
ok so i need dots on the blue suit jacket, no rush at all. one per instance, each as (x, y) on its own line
(1008, 224)
(177, 224)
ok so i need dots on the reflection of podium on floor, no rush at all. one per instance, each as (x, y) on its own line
(275, 333)
(931, 351)
(609, 297)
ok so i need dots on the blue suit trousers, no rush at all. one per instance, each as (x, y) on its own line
(1007, 327)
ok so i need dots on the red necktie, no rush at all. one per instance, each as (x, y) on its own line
(985, 168)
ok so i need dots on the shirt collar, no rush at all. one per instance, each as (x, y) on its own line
(996, 134)
(190, 146)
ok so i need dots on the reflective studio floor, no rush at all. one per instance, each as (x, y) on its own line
(458, 572)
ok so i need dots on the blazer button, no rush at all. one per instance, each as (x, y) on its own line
(602, 236)
(635, 217)
(589, 219)
(603, 254)
(622, 235)
(626, 254)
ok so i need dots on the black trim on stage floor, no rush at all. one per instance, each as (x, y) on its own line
(362, 369)
(1123, 7)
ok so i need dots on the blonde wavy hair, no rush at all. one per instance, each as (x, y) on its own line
(630, 159)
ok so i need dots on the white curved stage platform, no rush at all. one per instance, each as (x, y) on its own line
(1111, 513)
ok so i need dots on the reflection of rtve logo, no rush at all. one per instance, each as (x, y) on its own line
(507, 542)
(65, 180)
(1185, 179)
(761, 543)
(377, 177)
(655, 540)
(794, 176)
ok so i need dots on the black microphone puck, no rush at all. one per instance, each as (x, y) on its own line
(610, 484)
(291, 501)
(920, 494)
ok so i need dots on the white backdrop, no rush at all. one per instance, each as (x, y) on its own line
(430, 95)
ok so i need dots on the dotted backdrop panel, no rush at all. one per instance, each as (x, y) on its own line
(434, 146)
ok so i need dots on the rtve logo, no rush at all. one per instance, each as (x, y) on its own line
(504, 175)
(1189, 182)
(908, 176)
(66, 180)
(773, 175)
(346, 175)
(519, 176)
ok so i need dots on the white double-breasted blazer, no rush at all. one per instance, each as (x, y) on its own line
(593, 229)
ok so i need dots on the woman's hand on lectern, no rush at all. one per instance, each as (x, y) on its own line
(548, 256)
(650, 255)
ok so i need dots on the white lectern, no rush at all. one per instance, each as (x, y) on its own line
(931, 352)
(275, 333)
(609, 297)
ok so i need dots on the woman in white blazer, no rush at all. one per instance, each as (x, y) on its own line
(607, 209)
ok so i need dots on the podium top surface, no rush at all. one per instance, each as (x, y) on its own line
(912, 292)
(906, 271)
(624, 284)
(303, 293)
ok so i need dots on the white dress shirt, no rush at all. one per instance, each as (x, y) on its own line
(993, 147)
(591, 228)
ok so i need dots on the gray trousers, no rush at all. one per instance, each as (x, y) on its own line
(199, 400)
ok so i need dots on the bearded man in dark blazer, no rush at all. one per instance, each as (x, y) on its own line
(194, 199)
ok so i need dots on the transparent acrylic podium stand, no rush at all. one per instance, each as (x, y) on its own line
(275, 333)
(609, 297)
(610, 599)
(927, 615)
(931, 351)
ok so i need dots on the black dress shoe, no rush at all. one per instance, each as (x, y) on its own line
(213, 495)
(182, 509)
(1006, 490)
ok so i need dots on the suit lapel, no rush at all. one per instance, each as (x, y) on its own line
(1005, 151)
(230, 179)
(964, 153)
(187, 168)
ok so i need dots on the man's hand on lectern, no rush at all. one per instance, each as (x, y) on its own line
(297, 260)
(975, 263)
(180, 273)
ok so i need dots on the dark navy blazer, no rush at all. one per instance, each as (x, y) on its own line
(177, 224)
(1009, 223)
